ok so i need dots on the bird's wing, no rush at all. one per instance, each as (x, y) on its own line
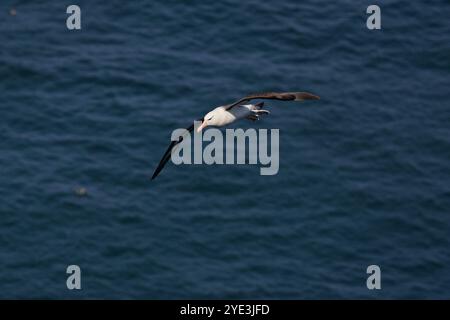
(168, 153)
(293, 96)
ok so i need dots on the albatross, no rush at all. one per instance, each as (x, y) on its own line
(224, 115)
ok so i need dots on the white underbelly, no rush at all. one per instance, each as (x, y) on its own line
(236, 113)
(225, 117)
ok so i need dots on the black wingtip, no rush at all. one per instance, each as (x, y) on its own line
(155, 174)
(168, 152)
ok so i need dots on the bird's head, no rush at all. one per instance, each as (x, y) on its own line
(210, 119)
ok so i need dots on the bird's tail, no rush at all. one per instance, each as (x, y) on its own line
(259, 105)
(261, 111)
(256, 110)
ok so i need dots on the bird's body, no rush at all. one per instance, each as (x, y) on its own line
(222, 117)
(225, 115)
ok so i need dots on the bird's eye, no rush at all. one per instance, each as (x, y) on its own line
(210, 118)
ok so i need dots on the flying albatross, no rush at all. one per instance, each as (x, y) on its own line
(224, 115)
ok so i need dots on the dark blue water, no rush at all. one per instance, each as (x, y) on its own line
(364, 173)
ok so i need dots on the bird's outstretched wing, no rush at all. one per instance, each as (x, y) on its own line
(292, 96)
(168, 152)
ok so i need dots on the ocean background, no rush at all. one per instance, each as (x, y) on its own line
(364, 173)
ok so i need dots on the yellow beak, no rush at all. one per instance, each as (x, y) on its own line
(203, 125)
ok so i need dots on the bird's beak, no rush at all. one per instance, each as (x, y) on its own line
(204, 124)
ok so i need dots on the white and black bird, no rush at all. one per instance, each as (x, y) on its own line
(224, 115)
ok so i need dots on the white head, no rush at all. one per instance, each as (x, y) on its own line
(212, 118)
